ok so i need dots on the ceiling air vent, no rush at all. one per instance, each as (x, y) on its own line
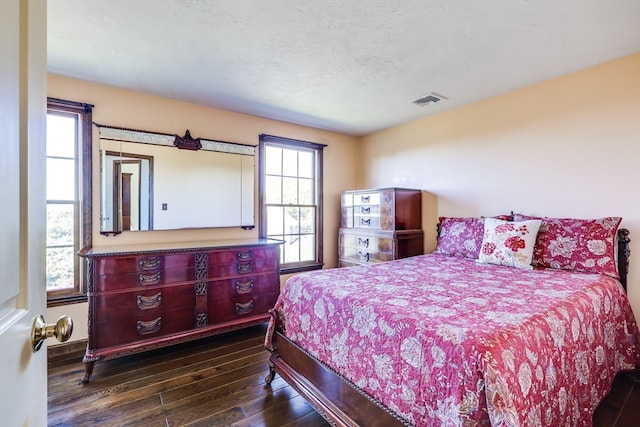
(432, 98)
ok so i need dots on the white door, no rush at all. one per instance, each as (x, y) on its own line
(23, 373)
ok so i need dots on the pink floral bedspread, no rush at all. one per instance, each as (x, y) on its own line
(448, 341)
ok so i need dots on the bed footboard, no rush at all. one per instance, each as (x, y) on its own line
(340, 402)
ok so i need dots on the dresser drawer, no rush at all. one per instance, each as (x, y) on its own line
(143, 279)
(224, 310)
(366, 198)
(243, 268)
(245, 286)
(142, 302)
(142, 263)
(363, 242)
(266, 255)
(142, 326)
(364, 257)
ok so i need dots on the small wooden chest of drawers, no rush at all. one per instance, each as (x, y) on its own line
(380, 225)
(144, 298)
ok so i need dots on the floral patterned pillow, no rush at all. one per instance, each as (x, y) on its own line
(586, 245)
(460, 237)
(509, 243)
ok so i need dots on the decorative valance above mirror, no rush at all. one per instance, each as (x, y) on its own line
(158, 181)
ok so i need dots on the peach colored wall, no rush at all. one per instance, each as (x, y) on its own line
(567, 147)
(124, 108)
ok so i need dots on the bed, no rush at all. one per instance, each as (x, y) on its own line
(466, 335)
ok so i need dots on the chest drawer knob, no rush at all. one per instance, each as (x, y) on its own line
(149, 327)
(150, 263)
(244, 308)
(244, 287)
(363, 243)
(147, 303)
(365, 199)
(244, 255)
(245, 268)
(365, 222)
(365, 210)
(149, 279)
(363, 256)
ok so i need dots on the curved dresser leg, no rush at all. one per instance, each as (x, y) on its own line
(88, 370)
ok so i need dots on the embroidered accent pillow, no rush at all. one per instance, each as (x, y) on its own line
(586, 245)
(509, 243)
(460, 237)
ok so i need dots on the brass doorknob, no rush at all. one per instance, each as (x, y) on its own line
(40, 331)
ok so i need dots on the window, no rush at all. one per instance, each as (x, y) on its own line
(68, 191)
(291, 200)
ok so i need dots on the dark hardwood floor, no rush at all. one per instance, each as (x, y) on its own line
(219, 381)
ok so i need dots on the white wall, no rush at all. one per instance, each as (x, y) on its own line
(567, 147)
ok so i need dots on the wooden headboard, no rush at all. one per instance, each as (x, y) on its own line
(624, 252)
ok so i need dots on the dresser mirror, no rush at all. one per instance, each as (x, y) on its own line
(154, 181)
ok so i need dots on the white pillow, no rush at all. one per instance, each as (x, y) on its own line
(509, 243)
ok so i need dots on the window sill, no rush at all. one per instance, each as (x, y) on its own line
(299, 268)
(65, 299)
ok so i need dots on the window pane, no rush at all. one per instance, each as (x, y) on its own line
(275, 220)
(273, 161)
(290, 162)
(291, 220)
(305, 159)
(290, 191)
(60, 268)
(60, 179)
(291, 249)
(61, 135)
(305, 191)
(59, 224)
(307, 220)
(307, 248)
(273, 190)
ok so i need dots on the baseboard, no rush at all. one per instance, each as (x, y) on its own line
(66, 351)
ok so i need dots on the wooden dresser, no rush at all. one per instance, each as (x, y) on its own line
(380, 225)
(151, 296)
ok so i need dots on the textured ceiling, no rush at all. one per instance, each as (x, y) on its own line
(351, 66)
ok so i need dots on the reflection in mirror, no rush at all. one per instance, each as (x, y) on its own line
(129, 196)
(148, 184)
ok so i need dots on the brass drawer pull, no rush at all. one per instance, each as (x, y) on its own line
(363, 256)
(365, 199)
(363, 243)
(147, 303)
(245, 268)
(244, 287)
(365, 222)
(244, 308)
(365, 210)
(149, 263)
(244, 255)
(149, 279)
(149, 327)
